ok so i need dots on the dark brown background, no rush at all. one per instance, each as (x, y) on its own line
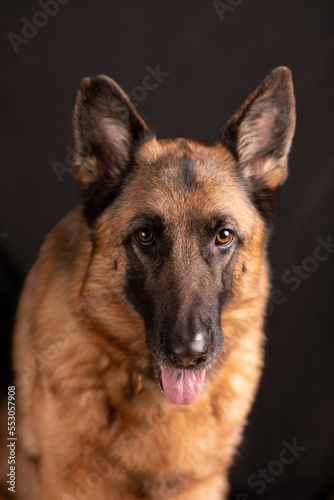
(212, 65)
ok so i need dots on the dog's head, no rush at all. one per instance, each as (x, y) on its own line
(178, 227)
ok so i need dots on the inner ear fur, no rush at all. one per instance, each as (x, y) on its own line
(107, 129)
(259, 134)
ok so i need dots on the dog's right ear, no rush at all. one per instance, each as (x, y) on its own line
(259, 134)
(107, 129)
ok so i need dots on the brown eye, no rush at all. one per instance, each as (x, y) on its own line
(145, 236)
(224, 237)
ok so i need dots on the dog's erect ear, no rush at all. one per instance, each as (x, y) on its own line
(259, 134)
(107, 129)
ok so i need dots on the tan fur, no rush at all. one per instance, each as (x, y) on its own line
(65, 416)
(89, 416)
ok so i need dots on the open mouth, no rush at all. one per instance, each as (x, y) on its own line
(181, 387)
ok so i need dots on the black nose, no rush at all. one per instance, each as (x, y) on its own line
(189, 354)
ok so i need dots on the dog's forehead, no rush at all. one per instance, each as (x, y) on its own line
(184, 173)
(183, 165)
(184, 156)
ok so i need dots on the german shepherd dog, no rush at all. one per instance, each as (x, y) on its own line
(139, 336)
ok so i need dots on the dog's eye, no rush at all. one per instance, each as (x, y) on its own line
(224, 237)
(145, 236)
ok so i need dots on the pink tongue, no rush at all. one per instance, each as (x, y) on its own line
(182, 387)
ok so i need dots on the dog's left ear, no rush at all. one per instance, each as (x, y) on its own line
(260, 132)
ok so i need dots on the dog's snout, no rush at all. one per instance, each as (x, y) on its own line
(189, 354)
